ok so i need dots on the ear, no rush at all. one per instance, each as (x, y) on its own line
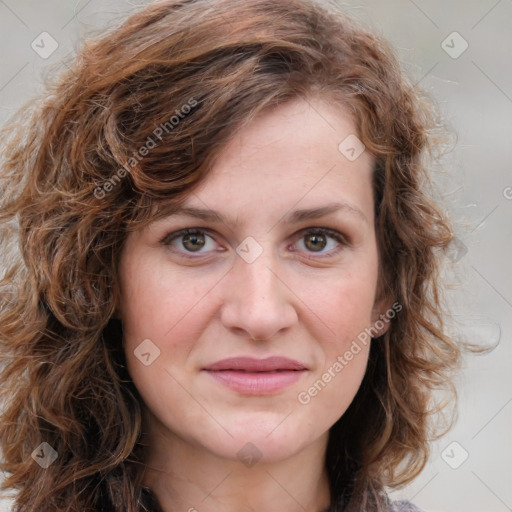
(383, 312)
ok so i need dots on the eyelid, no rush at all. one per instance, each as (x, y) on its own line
(340, 238)
(332, 233)
(170, 237)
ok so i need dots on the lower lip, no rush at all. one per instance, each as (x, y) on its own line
(257, 383)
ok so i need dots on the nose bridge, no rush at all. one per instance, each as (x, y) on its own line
(258, 278)
(257, 301)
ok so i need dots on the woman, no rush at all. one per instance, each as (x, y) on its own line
(226, 296)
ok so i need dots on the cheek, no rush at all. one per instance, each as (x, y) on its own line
(346, 309)
(330, 394)
(159, 302)
(342, 305)
(158, 306)
(156, 310)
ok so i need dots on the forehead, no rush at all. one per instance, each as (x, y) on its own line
(299, 130)
(290, 152)
(287, 157)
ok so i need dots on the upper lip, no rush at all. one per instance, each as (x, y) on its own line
(252, 364)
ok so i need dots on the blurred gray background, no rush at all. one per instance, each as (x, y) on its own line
(459, 51)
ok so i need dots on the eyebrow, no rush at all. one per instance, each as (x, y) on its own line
(290, 218)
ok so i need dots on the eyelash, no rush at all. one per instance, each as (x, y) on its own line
(342, 240)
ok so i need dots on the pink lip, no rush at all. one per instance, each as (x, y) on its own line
(256, 376)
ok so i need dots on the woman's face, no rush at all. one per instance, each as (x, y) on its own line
(282, 262)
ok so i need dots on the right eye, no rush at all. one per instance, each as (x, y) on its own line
(189, 241)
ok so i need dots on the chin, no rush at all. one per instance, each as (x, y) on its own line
(265, 443)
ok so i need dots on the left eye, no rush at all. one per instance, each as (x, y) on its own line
(197, 241)
(316, 240)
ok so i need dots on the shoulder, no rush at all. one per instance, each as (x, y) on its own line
(403, 506)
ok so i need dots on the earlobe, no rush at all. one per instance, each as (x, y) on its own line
(379, 326)
(383, 313)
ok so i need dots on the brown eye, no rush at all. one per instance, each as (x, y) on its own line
(322, 241)
(315, 242)
(194, 241)
(190, 241)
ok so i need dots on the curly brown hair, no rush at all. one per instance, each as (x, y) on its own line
(75, 180)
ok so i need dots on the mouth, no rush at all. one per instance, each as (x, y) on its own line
(250, 376)
(251, 364)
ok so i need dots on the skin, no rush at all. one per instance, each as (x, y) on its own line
(296, 299)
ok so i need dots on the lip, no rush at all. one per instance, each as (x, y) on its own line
(251, 364)
(250, 376)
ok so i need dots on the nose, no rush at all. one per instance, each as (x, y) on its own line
(257, 302)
